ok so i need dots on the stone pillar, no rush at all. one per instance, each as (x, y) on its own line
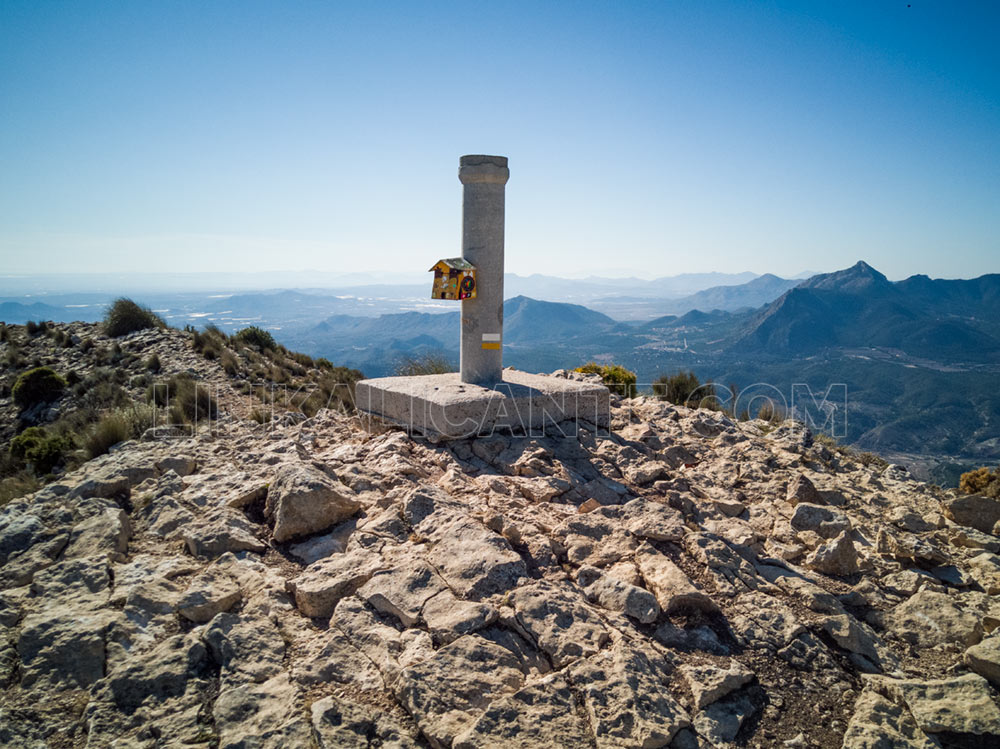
(484, 178)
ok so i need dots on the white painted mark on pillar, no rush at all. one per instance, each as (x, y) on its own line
(491, 337)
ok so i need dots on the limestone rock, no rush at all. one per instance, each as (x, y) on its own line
(615, 595)
(225, 530)
(402, 591)
(474, 561)
(878, 722)
(106, 533)
(342, 724)
(246, 649)
(962, 704)
(974, 511)
(540, 714)
(857, 637)
(929, 618)
(209, 593)
(970, 538)
(318, 589)
(710, 683)
(673, 589)
(825, 521)
(18, 532)
(163, 674)
(261, 715)
(557, 619)
(721, 721)
(626, 698)
(985, 570)
(984, 659)
(303, 500)
(448, 617)
(446, 692)
(801, 489)
(63, 647)
(836, 557)
(655, 521)
(182, 465)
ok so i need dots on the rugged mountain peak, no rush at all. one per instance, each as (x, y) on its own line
(682, 579)
(859, 278)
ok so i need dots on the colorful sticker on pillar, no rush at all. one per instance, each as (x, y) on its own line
(491, 341)
(454, 278)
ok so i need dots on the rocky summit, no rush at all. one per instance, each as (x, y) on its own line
(680, 580)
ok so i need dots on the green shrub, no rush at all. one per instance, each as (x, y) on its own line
(106, 433)
(4, 333)
(38, 385)
(258, 337)
(86, 345)
(18, 485)
(676, 388)
(153, 363)
(426, 364)
(13, 358)
(981, 481)
(33, 328)
(125, 316)
(189, 401)
(229, 363)
(871, 459)
(771, 413)
(43, 451)
(618, 379)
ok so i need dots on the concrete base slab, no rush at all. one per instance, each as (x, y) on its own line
(443, 406)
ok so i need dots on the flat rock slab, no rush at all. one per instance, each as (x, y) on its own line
(962, 705)
(881, 722)
(445, 407)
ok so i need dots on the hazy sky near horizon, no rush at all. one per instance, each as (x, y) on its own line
(646, 138)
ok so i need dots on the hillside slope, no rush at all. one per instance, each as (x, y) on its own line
(682, 580)
(940, 320)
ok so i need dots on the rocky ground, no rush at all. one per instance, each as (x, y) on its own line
(683, 580)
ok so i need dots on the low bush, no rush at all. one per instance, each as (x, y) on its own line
(426, 364)
(188, 400)
(258, 337)
(981, 481)
(153, 364)
(41, 450)
(771, 413)
(18, 485)
(229, 363)
(33, 328)
(676, 388)
(618, 379)
(872, 460)
(106, 433)
(4, 333)
(38, 385)
(125, 316)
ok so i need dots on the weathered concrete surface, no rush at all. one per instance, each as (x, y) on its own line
(525, 404)
(483, 179)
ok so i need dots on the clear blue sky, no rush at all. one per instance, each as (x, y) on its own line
(657, 137)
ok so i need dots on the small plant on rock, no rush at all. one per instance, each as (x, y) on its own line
(258, 337)
(41, 450)
(981, 481)
(618, 379)
(125, 316)
(38, 385)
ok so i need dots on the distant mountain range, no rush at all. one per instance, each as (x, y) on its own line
(920, 358)
(860, 308)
